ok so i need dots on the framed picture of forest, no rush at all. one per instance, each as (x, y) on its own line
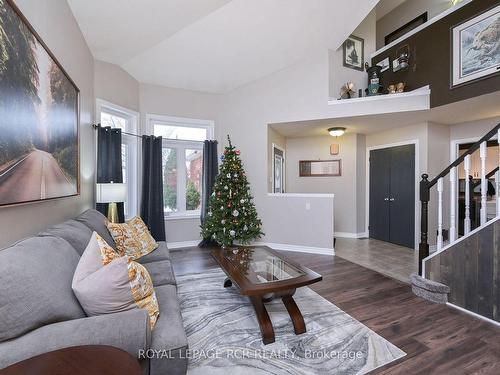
(39, 117)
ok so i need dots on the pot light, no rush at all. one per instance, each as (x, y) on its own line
(336, 132)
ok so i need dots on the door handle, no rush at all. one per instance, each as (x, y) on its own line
(386, 199)
(392, 199)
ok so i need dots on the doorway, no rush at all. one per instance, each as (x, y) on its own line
(278, 169)
(392, 195)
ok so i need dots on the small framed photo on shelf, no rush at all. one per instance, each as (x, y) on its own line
(354, 53)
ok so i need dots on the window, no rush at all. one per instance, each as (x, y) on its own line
(109, 114)
(182, 162)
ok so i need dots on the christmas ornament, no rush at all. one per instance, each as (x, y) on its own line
(232, 233)
(235, 213)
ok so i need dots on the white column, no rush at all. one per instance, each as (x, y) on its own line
(453, 202)
(497, 193)
(467, 195)
(440, 214)
(484, 183)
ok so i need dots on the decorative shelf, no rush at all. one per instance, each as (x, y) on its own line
(416, 100)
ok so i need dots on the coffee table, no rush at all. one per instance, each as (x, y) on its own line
(78, 360)
(263, 275)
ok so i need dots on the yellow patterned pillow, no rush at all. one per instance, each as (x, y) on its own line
(105, 282)
(145, 237)
(132, 238)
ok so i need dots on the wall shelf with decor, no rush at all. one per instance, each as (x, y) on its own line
(416, 100)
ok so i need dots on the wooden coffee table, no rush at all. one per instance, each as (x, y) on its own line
(78, 360)
(263, 275)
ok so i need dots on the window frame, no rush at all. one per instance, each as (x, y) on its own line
(181, 146)
(132, 144)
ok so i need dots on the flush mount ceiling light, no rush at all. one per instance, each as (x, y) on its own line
(336, 131)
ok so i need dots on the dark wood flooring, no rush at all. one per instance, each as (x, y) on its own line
(437, 339)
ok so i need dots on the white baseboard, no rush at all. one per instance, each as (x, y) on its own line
(272, 245)
(473, 314)
(298, 248)
(350, 235)
(178, 245)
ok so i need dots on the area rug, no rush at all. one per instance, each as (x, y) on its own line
(224, 336)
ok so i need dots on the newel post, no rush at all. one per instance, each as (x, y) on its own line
(423, 247)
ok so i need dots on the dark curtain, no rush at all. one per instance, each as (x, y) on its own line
(209, 173)
(109, 163)
(152, 186)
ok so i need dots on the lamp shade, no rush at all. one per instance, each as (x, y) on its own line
(111, 192)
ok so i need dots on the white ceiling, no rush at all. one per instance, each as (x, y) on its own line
(213, 45)
(477, 108)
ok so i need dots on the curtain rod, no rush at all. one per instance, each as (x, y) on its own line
(96, 126)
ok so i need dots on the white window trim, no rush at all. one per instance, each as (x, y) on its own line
(209, 125)
(132, 142)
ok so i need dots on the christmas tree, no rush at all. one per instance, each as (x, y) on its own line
(231, 214)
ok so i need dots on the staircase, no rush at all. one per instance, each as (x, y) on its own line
(469, 264)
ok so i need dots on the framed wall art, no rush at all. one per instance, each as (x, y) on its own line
(39, 117)
(354, 53)
(320, 168)
(476, 48)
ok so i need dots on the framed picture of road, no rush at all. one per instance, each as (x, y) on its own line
(39, 117)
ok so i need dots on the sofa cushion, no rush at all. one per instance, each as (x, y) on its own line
(132, 238)
(35, 285)
(161, 253)
(106, 283)
(97, 223)
(169, 332)
(161, 272)
(75, 232)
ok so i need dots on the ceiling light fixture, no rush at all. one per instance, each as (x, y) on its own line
(336, 131)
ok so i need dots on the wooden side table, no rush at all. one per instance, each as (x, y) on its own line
(78, 360)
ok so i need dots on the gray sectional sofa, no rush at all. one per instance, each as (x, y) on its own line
(39, 312)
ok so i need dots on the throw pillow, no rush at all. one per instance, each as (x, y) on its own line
(105, 282)
(132, 238)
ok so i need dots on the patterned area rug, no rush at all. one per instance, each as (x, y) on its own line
(224, 336)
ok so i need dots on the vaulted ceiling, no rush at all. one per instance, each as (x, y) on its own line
(213, 45)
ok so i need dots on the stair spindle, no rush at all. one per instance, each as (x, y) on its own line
(440, 214)
(453, 202)
(467, 195)
(484, 183)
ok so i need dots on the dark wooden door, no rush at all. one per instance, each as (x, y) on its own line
(392, 195)
(380, 179)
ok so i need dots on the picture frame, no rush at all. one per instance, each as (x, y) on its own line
(473, 58)
(353, 52)
(320, 168)
(40, 155)
(406, 28)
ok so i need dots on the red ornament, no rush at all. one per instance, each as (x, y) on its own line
(229, 204)
(218, 193)
(237, 152)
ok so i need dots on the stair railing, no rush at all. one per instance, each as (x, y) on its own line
(425, 192)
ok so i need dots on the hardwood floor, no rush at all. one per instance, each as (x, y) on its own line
(436, 338)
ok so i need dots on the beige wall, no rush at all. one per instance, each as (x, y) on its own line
(471, 130)
(54, 22)
(406, 12)
(344, 187)
(338, 74)
(113, 84)
(180, 103)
